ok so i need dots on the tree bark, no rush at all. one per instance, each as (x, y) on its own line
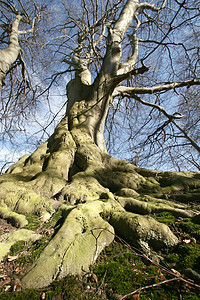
(99, 196)
(9, 55)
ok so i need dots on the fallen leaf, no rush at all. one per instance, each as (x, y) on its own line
(94, 278)
(7, 288)
(43, 296)
(17, 270)
(157, 280)
(162, 277)
(186, 241)
(11, 258)
(136, 297)
(176, 272)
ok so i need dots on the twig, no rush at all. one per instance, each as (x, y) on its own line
(140, 253)
(149, 286)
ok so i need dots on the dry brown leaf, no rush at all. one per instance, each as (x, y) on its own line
(136, 297)
(11, 258)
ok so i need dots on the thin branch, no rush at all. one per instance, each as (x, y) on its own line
(171, 118)
(193, 143)
(176, 115)
(152, 6)
(119, 78)
(149, 286)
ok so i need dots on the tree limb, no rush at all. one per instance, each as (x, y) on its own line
(176, 115)
(171, 118)
(125, 18)
(9, 55)
(152, 6)
(130, 63)
(129, 91)
(28, 30)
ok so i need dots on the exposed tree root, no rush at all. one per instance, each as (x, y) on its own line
(99, 194)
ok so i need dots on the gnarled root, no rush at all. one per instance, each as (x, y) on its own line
(100, 196)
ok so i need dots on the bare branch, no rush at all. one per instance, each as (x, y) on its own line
(9, 55)
(154, 89)
(96, 42)
(176, 115)
(130, 63)
(125, 17)
(193, 143)
(150, 286)
(28, 30)
(113, 51)
(152, 6)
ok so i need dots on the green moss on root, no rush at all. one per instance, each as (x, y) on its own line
(17, 248)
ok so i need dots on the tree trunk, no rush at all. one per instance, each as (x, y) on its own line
(98, 194)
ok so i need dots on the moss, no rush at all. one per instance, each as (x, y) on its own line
(142, 231)
(17, 247)
(36, 249)
(84, 187)
(184, 256)
(120, 271)
(72, 287)
(115, 266)
(189, 255)
(172, 258)
(190, 227)
(22, 198)
(56, 220)
(125, 192)
(19, 235)
(26, 294)
(165, 217)
(115, 180)
(33, 222)
(133, 205)
(151, 185)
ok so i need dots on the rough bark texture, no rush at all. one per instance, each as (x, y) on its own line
(99, 196)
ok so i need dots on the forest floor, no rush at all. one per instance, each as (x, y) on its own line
(120, 272)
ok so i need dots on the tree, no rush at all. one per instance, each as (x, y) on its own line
(72, 171)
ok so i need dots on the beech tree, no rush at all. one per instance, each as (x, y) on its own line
(107, 48)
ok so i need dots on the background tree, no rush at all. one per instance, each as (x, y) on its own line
(122, 56)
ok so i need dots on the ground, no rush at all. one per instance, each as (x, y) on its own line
(119, 270)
